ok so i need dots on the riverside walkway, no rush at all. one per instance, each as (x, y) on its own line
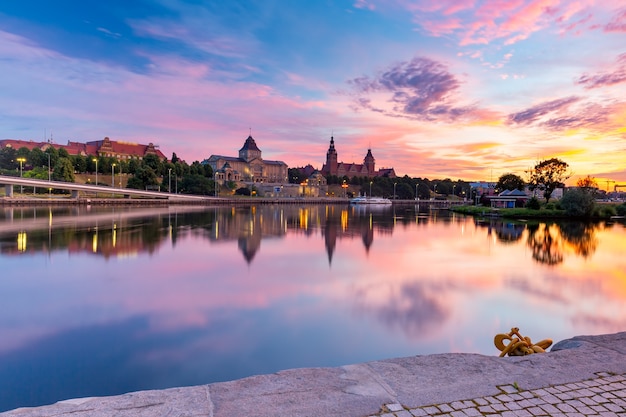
(582, 376)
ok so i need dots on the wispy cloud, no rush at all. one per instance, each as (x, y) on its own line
(614, 76)
(534, 113)
(618, 22)
(506, 21)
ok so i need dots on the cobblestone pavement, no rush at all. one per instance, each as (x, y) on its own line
(603, 396)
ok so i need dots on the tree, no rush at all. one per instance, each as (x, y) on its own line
(510, 182)
(578, 202)
(197, 184)
(296, 176)
(404, 191)
(548, 175)
(63, 170)
(8, 157)
(587, 183)
(144, 177)
(151, 160)
(80, 163)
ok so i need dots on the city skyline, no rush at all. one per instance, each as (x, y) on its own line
(454, 89)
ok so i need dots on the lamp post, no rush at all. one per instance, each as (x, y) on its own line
(394, 190)
(96, 161)
(416, 195)
(112, 175)
(49, 177)
(21, 161)
(453, 188)
(370, 188)
(169, 183)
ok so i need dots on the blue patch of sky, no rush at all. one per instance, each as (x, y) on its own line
(96, 31)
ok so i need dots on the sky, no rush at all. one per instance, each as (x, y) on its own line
(459, 89)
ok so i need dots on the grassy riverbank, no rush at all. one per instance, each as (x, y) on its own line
(601, 211)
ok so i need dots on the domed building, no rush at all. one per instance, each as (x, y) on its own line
(249, 166)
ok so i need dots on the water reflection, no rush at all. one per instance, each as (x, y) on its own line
(126, 232)
(101, 301)
(547, 241)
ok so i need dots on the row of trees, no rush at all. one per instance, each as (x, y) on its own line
(406, 188)
(149, 172)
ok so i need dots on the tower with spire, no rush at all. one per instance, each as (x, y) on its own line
(351, 170)
(331, 158)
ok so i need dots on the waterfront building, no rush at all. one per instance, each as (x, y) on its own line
(249, 166)
(351, 169)
(106, 147)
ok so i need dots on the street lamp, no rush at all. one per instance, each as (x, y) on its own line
(370, 188)
(21, 161)
(49, 177)
(169, 183)
(416, 194)
(394, 190)
(96, 161)
(112, 175)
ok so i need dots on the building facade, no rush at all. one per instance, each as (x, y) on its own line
(350, 170)
(249, 166)
(105, 147)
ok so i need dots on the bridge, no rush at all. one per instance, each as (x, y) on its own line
(10, 182)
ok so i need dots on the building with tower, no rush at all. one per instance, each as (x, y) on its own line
(249, 166)
(350, 170)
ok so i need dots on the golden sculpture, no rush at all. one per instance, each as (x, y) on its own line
(519, 345)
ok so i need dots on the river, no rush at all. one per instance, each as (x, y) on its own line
(105, 300)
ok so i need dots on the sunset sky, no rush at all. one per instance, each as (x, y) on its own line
(463, 89)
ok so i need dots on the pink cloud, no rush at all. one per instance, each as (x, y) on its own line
(499, 20)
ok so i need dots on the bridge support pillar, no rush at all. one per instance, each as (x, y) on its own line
(75, 194)
(8, 190)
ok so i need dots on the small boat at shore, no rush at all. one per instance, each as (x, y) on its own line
(370, 200)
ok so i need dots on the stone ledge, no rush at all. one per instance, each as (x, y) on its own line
(361, 389)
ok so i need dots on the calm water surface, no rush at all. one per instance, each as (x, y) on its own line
(101, 301)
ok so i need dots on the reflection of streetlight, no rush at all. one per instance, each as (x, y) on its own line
(112, 175)
(96, 161)
(394, 190)
(370, 188)
(21, 161)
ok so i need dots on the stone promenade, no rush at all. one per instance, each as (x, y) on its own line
(582, 376)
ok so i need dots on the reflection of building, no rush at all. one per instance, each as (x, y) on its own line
(105, 147)
(341, 169)
(248, 166)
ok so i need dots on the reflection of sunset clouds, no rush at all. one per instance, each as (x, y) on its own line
(415, 308)
(421, 280)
